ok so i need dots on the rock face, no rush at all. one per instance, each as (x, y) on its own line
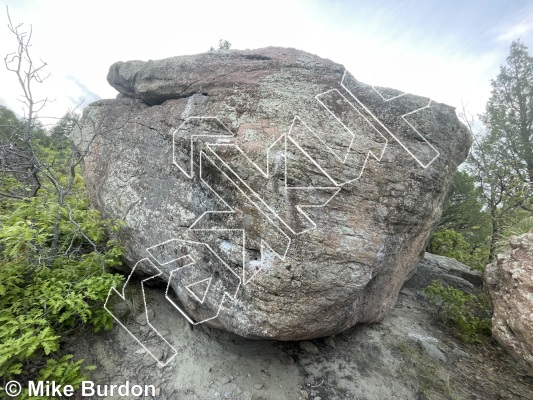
(510, 284)
(277, 195)
(447, 271)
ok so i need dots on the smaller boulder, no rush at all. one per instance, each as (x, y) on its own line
(509, 282)
(309, 347)
(433, 351)
(447, 271)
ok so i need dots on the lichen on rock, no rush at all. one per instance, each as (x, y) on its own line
(509, 281)
(279, 197)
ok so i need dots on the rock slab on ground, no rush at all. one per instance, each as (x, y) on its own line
(447, 271)
(509, 282)
(278, 196)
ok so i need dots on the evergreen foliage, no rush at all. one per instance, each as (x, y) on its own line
(222, 45)
(493, 198)
(502, 160)
(464, 228)
(467, 313)
(55, 256)
(54, 263)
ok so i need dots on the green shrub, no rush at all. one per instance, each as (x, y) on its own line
(520, 224)
(54, 252)
(450, 243)
(466, 313)
(53, 282)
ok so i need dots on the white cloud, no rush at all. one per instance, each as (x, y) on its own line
(514, 32)
(80, 40)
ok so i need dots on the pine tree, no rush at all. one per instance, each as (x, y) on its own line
(502, 159)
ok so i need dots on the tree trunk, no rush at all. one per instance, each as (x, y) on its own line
(495, 234)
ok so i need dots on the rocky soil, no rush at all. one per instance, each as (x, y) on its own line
(409, 355)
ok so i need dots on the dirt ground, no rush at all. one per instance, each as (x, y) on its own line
(407, 356)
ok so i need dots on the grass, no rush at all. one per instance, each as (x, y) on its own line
(517, 228)
(432, 379)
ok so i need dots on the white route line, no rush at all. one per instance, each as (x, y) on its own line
(259, 199)
(123, 297)
(256, 200)
(200, 300)
(338, 184)
(192, 262)
(263, 242)
(377, 157)
(403, 117)
(413, 66)
(175, 131)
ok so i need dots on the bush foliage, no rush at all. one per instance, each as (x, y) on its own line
(464, 229)
(54, 262)
(467, 313)
(450, 243)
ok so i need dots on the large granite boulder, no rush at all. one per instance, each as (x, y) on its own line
(509, 282)
(277, 195)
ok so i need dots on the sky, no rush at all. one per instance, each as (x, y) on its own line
(446, 50)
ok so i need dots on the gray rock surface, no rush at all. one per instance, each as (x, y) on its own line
(371, 361)
(509, 282)
(308, 347)
(447, 271)
(216, 206)
(432, 350)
